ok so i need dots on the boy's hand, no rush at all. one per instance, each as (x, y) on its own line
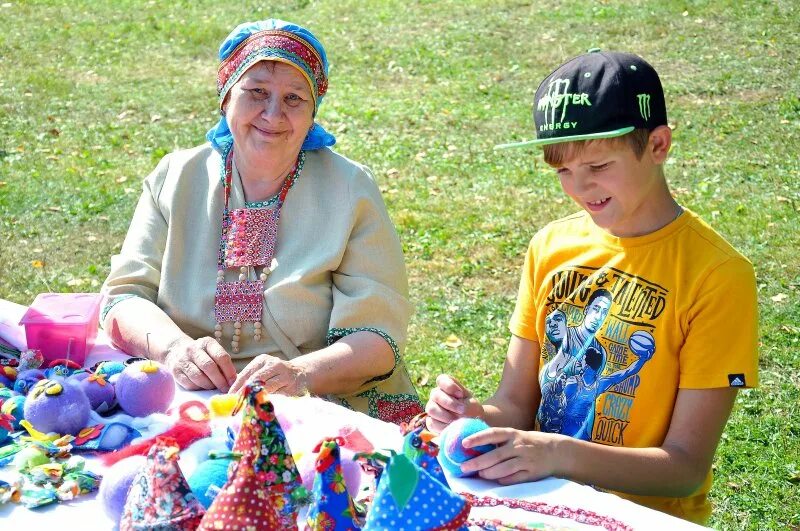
(449, 401)
(520, 455)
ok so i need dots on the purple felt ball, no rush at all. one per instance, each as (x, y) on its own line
(100, 393)
(145, 387)
(452, 451)
(27, 379)
(116, 483)
(58, 406)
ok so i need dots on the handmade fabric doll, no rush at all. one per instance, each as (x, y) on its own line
(159, 497)
(265, 473)
(332, 508)
(409, 498)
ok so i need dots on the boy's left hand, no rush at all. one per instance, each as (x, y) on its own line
(520, 456)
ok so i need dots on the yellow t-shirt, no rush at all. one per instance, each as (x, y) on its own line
(623, 323)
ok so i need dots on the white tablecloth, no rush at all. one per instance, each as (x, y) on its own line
(86, 513)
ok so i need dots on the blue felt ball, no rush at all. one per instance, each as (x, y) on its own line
(208, 479)
(27, 379)
(6, 393)
(110, 368)
(452, 451)
(15, 407)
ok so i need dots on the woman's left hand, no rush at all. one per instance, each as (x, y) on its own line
(520, 455)
(277, 376)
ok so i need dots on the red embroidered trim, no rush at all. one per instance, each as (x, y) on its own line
(561, 511)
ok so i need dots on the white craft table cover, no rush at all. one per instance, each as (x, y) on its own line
(86, 513)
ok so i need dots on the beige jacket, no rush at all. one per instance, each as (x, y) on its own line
(339, 264)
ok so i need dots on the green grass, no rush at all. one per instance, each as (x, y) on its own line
(93, 93)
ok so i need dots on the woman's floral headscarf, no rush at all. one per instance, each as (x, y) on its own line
(271, 40)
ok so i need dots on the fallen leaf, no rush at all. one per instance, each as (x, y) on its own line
(38, 264)
(780, 297)
(499, 341)
(121, 180)
(453, 341)
(393, 172)
(54, 209)
(423, 380)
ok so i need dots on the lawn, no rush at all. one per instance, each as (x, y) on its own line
(94, 93)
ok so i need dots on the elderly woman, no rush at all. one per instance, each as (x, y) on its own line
(263, 254)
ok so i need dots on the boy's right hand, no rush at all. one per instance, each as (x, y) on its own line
(450, 401)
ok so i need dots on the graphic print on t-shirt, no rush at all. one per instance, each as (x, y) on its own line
(599, 334)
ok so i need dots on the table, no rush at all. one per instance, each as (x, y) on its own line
(85, 512)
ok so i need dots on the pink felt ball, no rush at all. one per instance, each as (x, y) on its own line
(116, 483)
(145, 387)
(58, 406)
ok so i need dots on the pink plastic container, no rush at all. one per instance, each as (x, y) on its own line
(62, 325)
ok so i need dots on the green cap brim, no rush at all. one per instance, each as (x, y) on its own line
(573, 138)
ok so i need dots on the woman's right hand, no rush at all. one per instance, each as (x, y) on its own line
(200, 364)
(450, 401)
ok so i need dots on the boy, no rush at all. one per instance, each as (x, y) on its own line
(633, 395)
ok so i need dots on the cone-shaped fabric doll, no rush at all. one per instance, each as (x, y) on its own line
(160, 497)
(409, 498)
(332, 509)
(418, 446)
(264, 486)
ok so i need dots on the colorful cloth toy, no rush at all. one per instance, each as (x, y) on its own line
(265, 470)
(332, 508)
(160, 497)
(409, 498)
(419, 447)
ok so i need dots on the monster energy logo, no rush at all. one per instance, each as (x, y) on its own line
(644, 105)
(558, 98)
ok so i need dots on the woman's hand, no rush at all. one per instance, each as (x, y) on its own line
(277, 375)
(200, 364)
(520, 456)
(449, 401)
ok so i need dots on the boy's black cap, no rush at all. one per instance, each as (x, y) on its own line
(597, 95)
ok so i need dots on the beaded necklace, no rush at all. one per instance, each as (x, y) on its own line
(248, 240)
